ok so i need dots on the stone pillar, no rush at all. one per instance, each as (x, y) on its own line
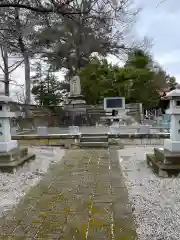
(173, 144)
(6, 144)
(11, 156)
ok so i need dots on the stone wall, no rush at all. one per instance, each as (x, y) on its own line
(68, 140)
(56, 115)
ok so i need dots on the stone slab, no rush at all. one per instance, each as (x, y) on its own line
(13, 154)
(166, 156)
(161, 169)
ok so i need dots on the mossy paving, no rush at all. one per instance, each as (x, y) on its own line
(82, 197)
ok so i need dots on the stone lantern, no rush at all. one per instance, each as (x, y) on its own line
(173, 144)
(6, 144)
(11, 155)
(166, 161)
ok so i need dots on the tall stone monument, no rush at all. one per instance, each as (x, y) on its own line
(11, 155)
(75, 91)
(166, 161)
(76, 106)
(75, 86)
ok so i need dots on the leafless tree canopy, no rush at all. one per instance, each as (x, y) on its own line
(47, 6)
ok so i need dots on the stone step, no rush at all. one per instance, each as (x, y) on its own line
(94, 135)
(93, 139)
(93, 144)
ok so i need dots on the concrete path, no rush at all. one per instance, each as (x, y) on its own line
(81, 198)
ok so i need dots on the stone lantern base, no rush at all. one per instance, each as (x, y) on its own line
(10, 160)
(164, 162)
(8, 146)
(172, 146)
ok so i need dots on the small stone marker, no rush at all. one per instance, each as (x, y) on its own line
(144, 129)
(114, 129)
(73, 130)
(42, 131)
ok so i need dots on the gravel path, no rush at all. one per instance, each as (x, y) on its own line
(15, 186)
(155, 201)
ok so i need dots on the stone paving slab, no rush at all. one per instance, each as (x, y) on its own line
(82, 197)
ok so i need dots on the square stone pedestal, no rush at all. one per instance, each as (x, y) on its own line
(14, 158)
(164, 162)
(8, 146)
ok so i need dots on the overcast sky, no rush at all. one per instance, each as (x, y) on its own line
(159, 23)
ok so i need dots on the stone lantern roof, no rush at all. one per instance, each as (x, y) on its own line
(174, 94)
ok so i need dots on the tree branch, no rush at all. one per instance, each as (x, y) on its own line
(2, 68)
(24, 6)
(18, 64)
(56, 9)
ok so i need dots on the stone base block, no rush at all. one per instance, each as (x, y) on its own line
(161, 169)
(9, 161)
(8, 146)
(167, 157)
(172, 146)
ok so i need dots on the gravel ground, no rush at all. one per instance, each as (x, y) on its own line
(14, 186)
(155, 201)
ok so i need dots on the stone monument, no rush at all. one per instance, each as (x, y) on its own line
(76, 105)
(166, 161)
(75, 91)
(75, 86)
(11, 155)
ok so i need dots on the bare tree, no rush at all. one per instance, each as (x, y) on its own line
(18, 39)
(7, 68)
(42, 7)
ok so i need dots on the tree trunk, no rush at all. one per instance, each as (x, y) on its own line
(6, 72)
(4, 55)
(27, 82)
